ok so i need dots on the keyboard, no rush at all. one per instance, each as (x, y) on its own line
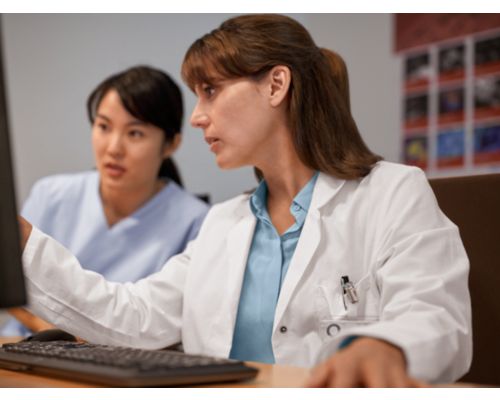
(120, 366)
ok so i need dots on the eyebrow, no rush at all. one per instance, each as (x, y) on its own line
(210, 80)
(135, 122)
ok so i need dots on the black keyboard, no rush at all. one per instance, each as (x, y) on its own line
(120, 366)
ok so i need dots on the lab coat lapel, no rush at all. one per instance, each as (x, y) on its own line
(238, 245)
(325, 190)
(239, 240)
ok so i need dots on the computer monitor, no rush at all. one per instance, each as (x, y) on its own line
(12, 289)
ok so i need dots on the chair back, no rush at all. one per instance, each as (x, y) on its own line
(473, 204)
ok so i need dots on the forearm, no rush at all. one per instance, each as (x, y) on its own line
(25, 229)
(29, 320)
(83, 303)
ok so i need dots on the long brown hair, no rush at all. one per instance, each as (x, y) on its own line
(324, 133)
(339, 71)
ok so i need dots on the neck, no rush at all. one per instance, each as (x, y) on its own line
(120, 203)
(284, 185)
(285, 177)
(285, 174)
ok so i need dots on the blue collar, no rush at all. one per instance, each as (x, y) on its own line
(298, 208)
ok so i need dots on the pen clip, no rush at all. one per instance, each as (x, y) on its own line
(348, 290)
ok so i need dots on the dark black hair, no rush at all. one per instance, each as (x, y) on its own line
(151, 96)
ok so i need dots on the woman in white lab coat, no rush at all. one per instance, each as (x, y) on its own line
(337, 259)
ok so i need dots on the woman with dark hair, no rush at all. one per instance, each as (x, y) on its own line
(152, 97)
(128, 217)
(337, 257)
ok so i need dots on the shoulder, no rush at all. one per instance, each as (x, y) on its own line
(63, 185)
(391, 175)
(386, 182)
(229, 212)
(397, 187)
(393, 172)
(234, 207)
(185, 201)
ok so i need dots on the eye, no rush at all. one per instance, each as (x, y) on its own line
(208, 90)
(136, 134)
(102, 126)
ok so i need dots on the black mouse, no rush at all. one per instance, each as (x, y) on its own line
(50, 335)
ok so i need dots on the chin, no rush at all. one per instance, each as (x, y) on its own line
(225, 164)
(112, 183)
(234, 162)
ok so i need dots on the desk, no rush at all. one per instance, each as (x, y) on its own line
(269, 376)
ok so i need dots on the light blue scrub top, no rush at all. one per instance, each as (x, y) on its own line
(267, 264)
(69, 208)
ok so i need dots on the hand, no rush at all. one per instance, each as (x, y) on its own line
(24, 230)
(29, 320)
(366, 362)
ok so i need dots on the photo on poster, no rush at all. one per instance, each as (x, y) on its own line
(415, 150)
(487, 56)
(452, 63)
(487, 145)
(416, 111)
(487, 97)
(417, 71)
(451, 148)
(451, 105)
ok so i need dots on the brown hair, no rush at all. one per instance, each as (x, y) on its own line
(340, 74)
(324, 133)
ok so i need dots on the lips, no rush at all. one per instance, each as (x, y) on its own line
(114, 170)
(213, 142)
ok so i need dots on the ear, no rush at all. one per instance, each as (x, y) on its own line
(171, 147)
(280, 78)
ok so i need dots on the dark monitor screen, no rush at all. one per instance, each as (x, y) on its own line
(12, 290)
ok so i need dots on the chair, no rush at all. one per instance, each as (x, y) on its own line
(473, 204)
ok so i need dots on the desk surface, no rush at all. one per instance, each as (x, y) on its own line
(269, 376)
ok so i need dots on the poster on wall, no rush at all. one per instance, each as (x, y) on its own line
(451, 105)
(450, 92)
(452, 63)
(487, 97)
(487, 145)
(451, 148)
(415, 150)
(417, 72)
(487, 56)
(416, 110)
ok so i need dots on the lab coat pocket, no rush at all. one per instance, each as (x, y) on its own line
(336, 313)
(329, 329)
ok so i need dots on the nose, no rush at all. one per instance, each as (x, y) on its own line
(115, 145)
(199, 118)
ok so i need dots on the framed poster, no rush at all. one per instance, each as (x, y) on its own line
(487, 145)
(451, 98)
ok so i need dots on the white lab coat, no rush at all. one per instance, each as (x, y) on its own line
(385, 232)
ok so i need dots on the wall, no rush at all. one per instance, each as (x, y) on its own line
(54, 61)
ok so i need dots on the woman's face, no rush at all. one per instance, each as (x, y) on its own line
(237, 121)
(128, 152)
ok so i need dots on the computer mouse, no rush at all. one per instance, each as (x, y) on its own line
(50, 335)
